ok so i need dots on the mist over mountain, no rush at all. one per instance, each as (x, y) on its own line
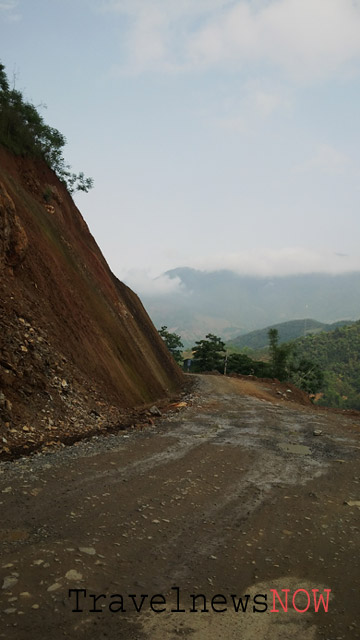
(230, 304)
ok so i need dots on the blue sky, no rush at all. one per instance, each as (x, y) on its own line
(220, 134)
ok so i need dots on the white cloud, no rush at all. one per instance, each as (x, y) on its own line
(8, 10)
(326, 159)
(172, 10)
(266, 103)
(147, 41)
(256, 262)
(286, 261)
(307, 39)
(234, 124)
(143, 282)
(8, 6)
(256, 106)
(158, 30)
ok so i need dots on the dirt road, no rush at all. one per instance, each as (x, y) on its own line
(232, 497)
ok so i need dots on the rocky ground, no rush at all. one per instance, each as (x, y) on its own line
(45, 402)
(239, 490)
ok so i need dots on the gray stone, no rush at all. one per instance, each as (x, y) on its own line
(9, 582)
(155, 411)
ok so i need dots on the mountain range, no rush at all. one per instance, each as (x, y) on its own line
(229, 304)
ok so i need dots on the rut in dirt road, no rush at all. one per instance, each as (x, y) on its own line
(233, 496)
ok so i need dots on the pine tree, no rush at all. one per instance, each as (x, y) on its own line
(209, 354)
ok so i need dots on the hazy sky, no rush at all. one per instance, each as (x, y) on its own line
(219, 133)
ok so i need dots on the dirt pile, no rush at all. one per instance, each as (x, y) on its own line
(77, 348)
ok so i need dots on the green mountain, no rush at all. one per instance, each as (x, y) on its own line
(288, 331)
(338, 353)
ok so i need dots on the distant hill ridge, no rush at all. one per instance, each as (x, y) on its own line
(288, 331)
(229, 304)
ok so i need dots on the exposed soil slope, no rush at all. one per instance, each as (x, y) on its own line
(76, 344)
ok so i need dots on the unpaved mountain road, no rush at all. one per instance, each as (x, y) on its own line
(234, 495)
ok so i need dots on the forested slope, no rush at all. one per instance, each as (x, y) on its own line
(338, 353)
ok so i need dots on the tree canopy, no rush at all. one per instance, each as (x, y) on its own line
(285, 363)
(24, 132)
(337, 355)
(209, 354)
(279, 356)
(173, 343)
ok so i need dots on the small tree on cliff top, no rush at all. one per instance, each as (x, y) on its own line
(24, 132)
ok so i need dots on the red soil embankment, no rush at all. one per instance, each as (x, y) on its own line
(76, 344)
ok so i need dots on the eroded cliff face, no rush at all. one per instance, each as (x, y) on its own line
(77, 347)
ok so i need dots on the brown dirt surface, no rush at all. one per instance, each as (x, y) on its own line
(271, 390)
(230, 495)
(77, 348)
